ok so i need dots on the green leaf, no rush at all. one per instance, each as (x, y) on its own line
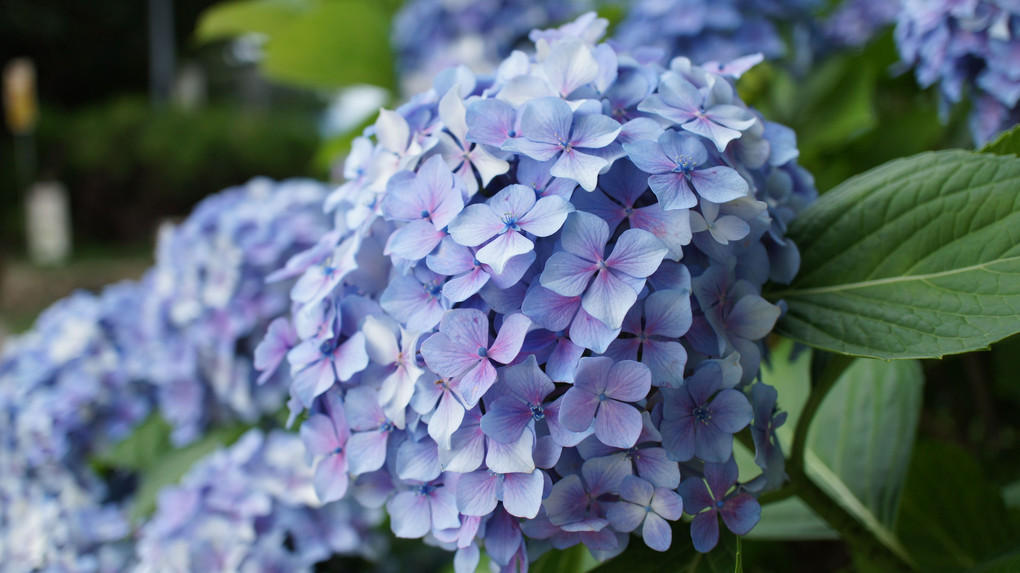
(790, 519)
(142, 449)
(229, 19)
(951, 517)
(333, 44)
(576, 559)
(1008, 563)
(1008, 143)
(860, 441)
(679, 558)
(917, 258)
(172, 465)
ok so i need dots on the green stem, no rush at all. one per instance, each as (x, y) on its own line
(826, 368)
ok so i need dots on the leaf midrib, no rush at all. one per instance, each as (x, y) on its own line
(893, 280)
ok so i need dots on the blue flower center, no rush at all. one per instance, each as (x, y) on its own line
(423, 489)
(327, 347)
(537, 412)
(719, 504)
(684, 164)
(432, 288)
(602, 397)
(482, 351)
(510, 222)
(424, 214)
(702, 414)
(338, 450)
(387, 426)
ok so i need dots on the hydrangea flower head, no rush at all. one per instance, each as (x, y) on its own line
(542, 296)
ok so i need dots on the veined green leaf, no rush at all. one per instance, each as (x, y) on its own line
(917, 258)
(1008, 143)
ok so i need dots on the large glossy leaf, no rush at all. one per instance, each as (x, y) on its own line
(951, 518)
(858, 446)
(917, 258)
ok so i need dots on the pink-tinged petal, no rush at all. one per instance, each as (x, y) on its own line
(504, 247)
(562, 363)
(490, 121)
(450, 258)
(548, 309)
(731, 411)
(707, 128)
(477, 493)
(410, 515)
(741, 513)
(705, 531)
(626, 516)
(546, 216)
(653, 466)
(467, 451)
(648, 157)
(566, 274)
(570, 65)
(672, 191)
(319, 435)
(474, 383)
(609, 298)
(562, 436)
(673, 228)
(585, 235)
(466, 327)
(380, 341)
(752, 317)
(729, 228)
(668, 313)
(447, 358)
(624, 349)
(546, 120)
(719, 184)
(418, 460)
(591, 333)
(513, 200)
(506, 419)
(312, 381)
(414, 240)
(628, 381)
(280, 338)
(463, 287)
(617, 424)
(366, 451)
(511, 458)
(522, 493)
(657, 533)
(636, 490)
(667, 503)
(666, 359)
(577, 409)
(637, 253)
(580, 167)
(475, 225)
(593, 131)
(446, 420)
(331, 478)
(350, 357)
(510, 338)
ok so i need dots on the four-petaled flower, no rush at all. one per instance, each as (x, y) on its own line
(740, 511)
(602, 387)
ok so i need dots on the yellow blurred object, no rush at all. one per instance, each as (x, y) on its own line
(20, 107)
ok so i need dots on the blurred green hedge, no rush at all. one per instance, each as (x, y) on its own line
(127, 165)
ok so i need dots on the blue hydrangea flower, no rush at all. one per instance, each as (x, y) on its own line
(708, 498)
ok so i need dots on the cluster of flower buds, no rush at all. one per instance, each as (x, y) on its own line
(960, 46)
(538, 320)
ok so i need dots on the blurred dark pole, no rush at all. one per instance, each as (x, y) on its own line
(20, 113)
(161, 51)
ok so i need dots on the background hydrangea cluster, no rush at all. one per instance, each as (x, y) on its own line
(538, 321)
(182, 342)
(961, 46)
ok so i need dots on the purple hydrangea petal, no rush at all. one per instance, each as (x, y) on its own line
(705, 531)
(475, 225)
(657, 533)
(585, 236)
(522, 493)
(741, 513)
(477, 492)
(617, 424)
(566, 274)
(628, 381)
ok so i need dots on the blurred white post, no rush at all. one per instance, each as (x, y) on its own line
(48, 223)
